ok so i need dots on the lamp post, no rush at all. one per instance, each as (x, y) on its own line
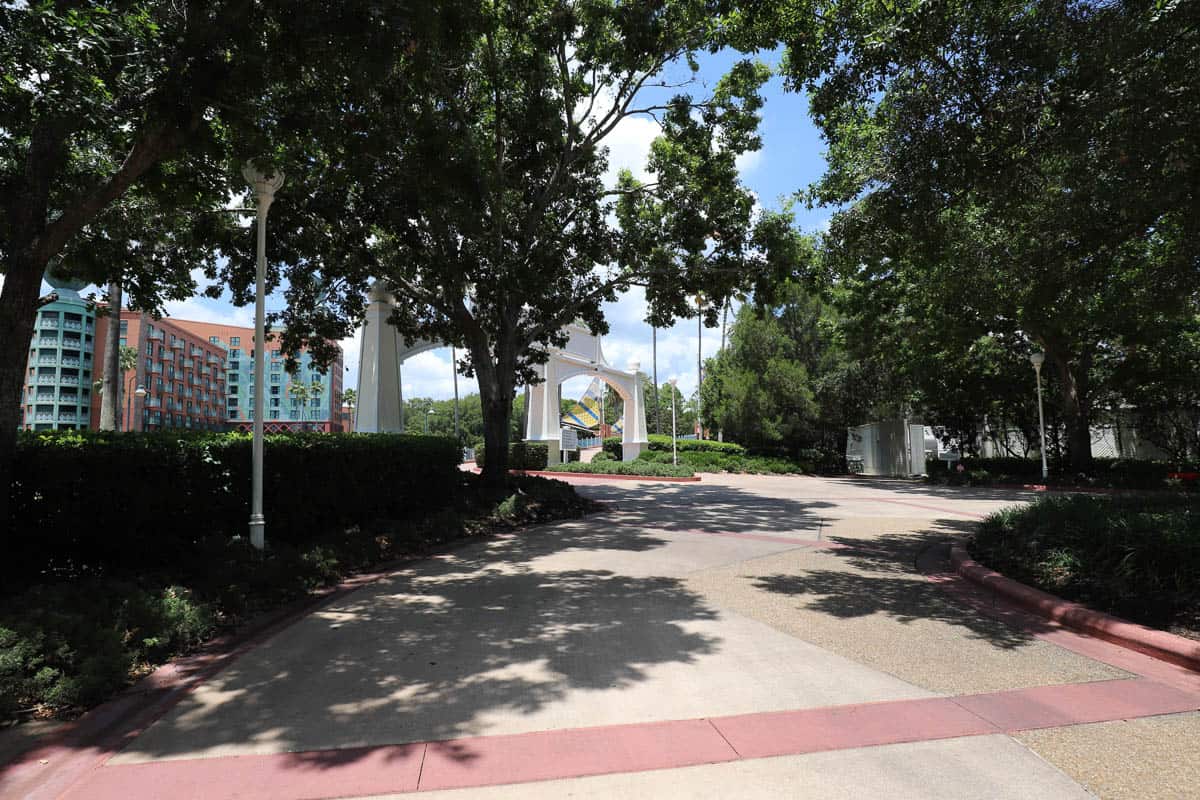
(674, 449)
(130, 393)
(454, 365)
(1037, 359)
(265, 185)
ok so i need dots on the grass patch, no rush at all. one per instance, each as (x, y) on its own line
(1136, 557)
(68, 645)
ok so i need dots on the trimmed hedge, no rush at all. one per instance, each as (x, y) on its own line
(612, 446)
(1111, 473)
(1138, 557)
(647, 468)
(522, 455)
(702, 461)
(94, 504)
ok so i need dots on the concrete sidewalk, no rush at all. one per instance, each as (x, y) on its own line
(698, 640)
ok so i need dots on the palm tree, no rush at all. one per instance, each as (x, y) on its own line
(350, 398)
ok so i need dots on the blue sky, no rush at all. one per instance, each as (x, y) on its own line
(791, 157)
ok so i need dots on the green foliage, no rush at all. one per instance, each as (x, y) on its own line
(647, 468)
(74, 644)
(712, 461)
(612, 446)
(522, 455)
(995, 195)
(1135, 557)
(506, 249)
(176, 491)
(1106, 473)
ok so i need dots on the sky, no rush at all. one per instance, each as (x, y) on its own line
(792, 156)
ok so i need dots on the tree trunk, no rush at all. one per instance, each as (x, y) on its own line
(110, 397)
(497, 411)
(18, 310)
(1076, 410)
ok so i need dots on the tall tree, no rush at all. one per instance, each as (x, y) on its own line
(512, 239)
(1030, 170)
(105, 101)
(110, 400)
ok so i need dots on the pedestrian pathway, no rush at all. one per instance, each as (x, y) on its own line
(741, 637)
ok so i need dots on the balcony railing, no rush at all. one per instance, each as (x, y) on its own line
(47, 342)
(188, 363)
(71, 325)
(44, 398)
(70, 361)
(68, 380)
(73, 344)
(156, 368)
(213, 358)
(44, 417)
(46, 380)
(47, 359)
(67, 416)
(157, 336)
(47, 322)
(153, 402)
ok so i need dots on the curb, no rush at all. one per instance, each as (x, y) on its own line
(601, 475)
(1148, 641)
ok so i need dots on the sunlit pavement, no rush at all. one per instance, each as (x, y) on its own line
(739, 637)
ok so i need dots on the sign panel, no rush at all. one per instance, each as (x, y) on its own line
(570, 439)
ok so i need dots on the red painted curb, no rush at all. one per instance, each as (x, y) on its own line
(1148, 641)
(549, 474)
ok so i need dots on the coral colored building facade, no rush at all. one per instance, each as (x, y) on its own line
(287, 406)
(182, 373)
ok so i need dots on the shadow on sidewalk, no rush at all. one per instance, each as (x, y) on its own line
(434, 651)
(881, 575)
(708, 507)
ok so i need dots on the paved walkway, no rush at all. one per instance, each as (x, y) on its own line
(740, 637)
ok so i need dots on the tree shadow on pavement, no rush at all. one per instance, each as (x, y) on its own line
(706, 507)
(880, 575)
(440, 648)
(916, 486)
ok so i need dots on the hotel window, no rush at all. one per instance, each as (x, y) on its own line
(213, 340)
(235, 341)
(235, 353)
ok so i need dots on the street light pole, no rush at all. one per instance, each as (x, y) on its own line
(674, 449)
(454, 365)
(265, 185)
(1037, 359)
(127, 420)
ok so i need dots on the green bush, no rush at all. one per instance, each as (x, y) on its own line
(603, 456)
(1109, 473)
(172, 491)
(702, 461)
(1137, 557)
(74, 644)
(647, 468)
(612, 446)
(522, 455)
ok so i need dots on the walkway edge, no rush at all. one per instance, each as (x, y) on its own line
(1148, 641)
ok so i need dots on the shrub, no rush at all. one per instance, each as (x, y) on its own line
(1111, 473)
(1137, 557)
(175, 490)
(522, 455)
(647, 468)
(612, 446)
(702, 461)
(603, 456)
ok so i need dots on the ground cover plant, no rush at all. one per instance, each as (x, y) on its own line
(1136, 557)
(87, 606)
(1106, 473)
